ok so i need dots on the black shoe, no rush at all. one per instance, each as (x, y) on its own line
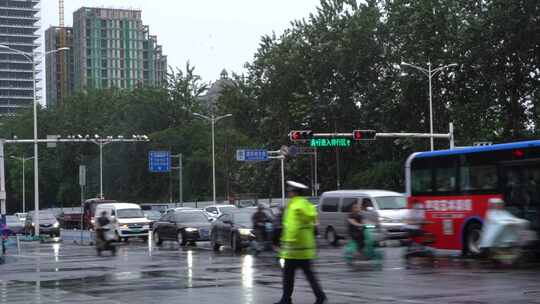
(321, 300)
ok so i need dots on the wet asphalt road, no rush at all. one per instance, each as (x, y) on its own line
(70, 273)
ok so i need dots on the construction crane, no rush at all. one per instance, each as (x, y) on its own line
(61, 12)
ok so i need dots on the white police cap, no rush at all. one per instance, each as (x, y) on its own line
(296, 185)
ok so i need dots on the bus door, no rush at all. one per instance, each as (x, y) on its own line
(520, 183)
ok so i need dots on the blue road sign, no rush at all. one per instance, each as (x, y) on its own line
(159, 161)
(251, 155)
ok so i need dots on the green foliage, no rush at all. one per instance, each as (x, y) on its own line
(337, 70)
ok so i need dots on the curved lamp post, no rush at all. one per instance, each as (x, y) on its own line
(429, 72)
(213, 120)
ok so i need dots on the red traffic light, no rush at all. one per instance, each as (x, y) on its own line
(364, 135)
(300, 135)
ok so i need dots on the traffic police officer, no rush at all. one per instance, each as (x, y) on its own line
(298, 247)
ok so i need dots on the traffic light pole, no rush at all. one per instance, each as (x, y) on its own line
(282, 159)
(281, 156)
(449, 135)
(180, 173)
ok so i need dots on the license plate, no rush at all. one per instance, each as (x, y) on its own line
(204, 233)
(136, 230)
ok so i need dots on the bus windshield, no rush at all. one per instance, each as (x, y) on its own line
(391, 202)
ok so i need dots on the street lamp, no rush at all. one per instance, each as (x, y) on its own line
(30, 58)
(213, 120)
(102, 141)
(23, 160)
(430, 73)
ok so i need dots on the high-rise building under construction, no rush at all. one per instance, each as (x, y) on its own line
(18, 27)
(111, 49)
(59, 67)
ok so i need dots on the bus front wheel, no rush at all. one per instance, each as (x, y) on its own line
(471, 244)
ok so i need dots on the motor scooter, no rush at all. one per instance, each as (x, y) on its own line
(504, 235)
(370, 251)
(104, 238)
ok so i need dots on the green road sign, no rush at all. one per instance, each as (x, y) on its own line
(330, 143)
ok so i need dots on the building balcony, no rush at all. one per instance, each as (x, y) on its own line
(16, 88)
(4, 97)
(36, 62)
(34, 36)
(16, 79)
(11, 8)
(15, 45)
(10, 70)
(36, 2)
(34, 27)
(30, 18)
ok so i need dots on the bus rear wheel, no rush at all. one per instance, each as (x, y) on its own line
(471, 244)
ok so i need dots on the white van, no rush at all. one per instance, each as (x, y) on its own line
(335, 206)
(127, 219)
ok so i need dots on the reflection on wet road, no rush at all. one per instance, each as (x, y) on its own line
(69, 273)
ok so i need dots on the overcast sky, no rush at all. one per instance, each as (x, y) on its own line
(211, 34)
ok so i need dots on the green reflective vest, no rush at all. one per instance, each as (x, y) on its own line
(298, 237)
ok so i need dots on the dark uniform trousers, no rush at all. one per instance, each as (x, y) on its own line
(289, 271)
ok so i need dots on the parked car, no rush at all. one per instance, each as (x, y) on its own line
(182, 226)
(234, 229)
(13, 226)
(215, 211)
(152, 216)
(335, 205)
(127, 219)
(48, 223)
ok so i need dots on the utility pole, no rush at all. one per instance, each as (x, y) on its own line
(180, 182)
(23, 161)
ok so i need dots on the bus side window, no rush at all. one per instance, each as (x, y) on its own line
(475, 178)
(445, 179)
(421, 181)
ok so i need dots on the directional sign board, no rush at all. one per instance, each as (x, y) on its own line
(251, 155)
(82, 176)
(159, 161)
